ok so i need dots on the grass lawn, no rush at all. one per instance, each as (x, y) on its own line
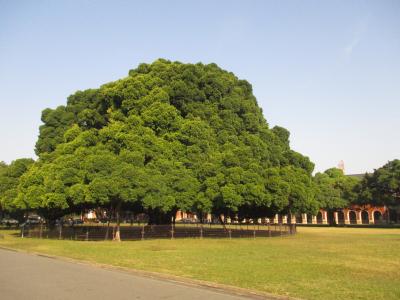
(317, 263)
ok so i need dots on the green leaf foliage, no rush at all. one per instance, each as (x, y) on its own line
(9, 180)
(382, 187)
(169, 136)
(334, 189)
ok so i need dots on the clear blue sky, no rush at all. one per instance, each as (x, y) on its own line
(329, 71)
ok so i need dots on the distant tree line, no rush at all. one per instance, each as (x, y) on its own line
(174, 136)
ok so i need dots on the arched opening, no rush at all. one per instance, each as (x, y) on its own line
(377, 217)
(309, 218)
(340, 217)
(299, 219)
(280, 219)
(319, 218)
(352, 217)
(331, 217)
(364, 217)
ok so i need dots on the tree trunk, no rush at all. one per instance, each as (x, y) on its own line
(171, 216)
(117, 236)
(108, 229)
(152, 217)
(292, 227)
(222, 222)
(108, 225)
(201, 217)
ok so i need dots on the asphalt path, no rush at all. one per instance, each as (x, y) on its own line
(27, 276)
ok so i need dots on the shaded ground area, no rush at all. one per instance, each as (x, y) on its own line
(26, 276)
(101, 233)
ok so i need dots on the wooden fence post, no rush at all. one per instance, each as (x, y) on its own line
(172, 231)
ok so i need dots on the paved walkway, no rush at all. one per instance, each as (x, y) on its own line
(26, 276)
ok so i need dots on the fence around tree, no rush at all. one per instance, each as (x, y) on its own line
(142, 232)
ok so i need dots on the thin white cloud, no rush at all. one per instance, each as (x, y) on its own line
(359, 32)
(348, 50)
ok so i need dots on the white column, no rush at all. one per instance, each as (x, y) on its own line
(293, 220)
(324, 217)
(336, 216)
(371, 217)
(284, 219)
(314, 219)
(304, 218)
(276, 219)
(346, 216)
(358, 216)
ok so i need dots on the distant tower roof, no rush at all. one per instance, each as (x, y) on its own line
(341, 165)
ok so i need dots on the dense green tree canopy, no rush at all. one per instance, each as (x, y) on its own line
(334, 189)
(9, 180)
(169, 136)
(382, 187)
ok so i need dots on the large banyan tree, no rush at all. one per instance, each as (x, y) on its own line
(168, 137)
